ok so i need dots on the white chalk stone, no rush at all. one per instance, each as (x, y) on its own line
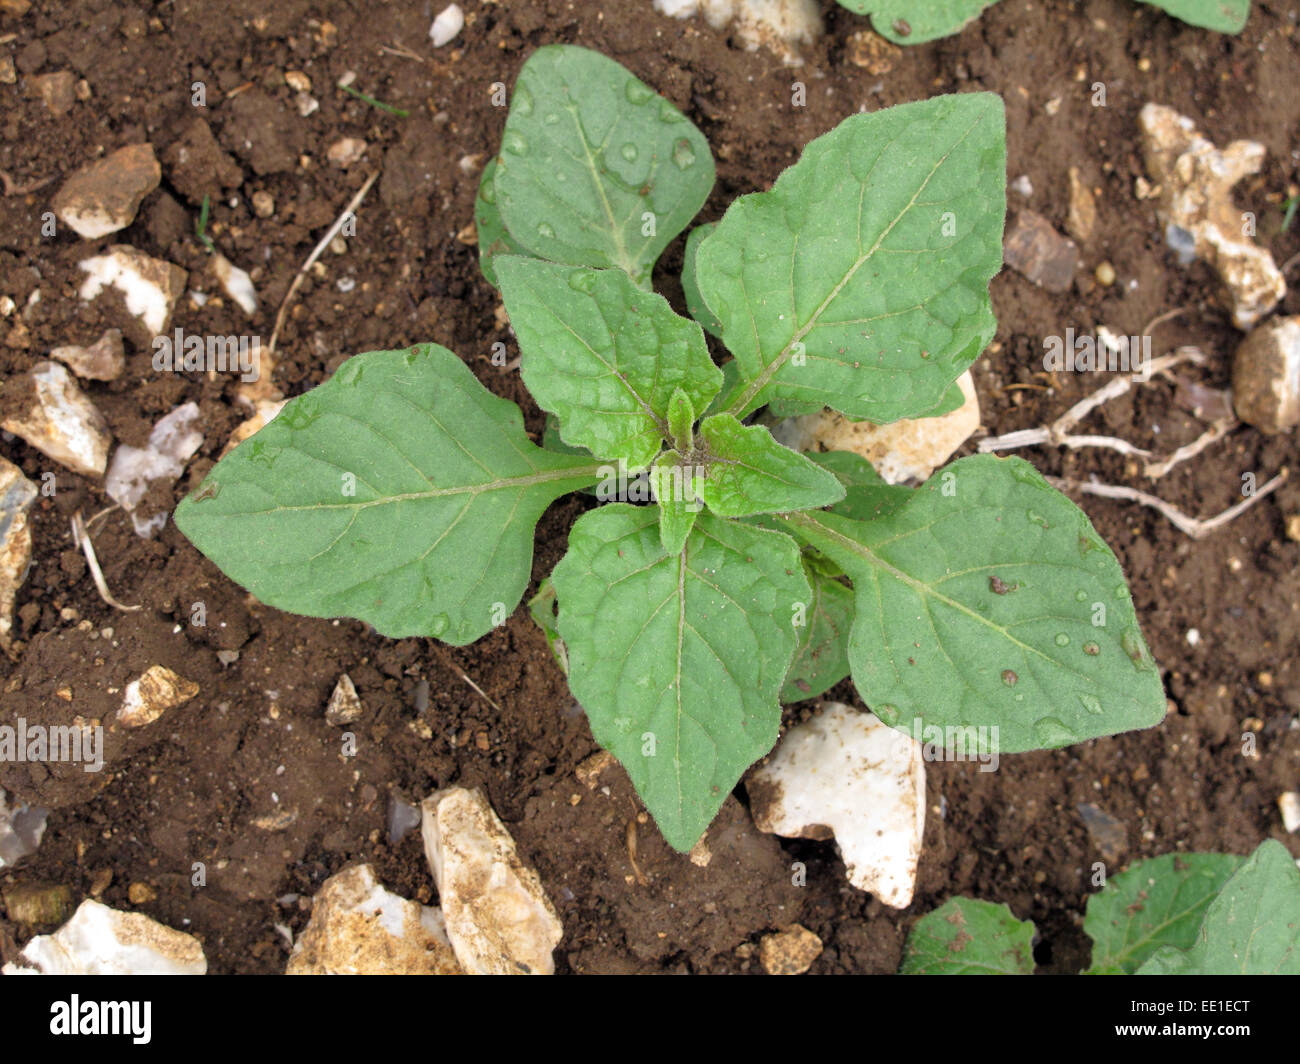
(102, 941)
(60, 421)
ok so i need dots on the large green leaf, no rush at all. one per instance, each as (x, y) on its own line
(596, 168)
(1226, 16)
(1251, 928)
(400, 492)
(860, 281)
(493, 240)
(988, 599)
(678, 660)
(603, 355)
(1155, 903)
(750, 473)
(822, 659)
(969, 937)
(907, 22)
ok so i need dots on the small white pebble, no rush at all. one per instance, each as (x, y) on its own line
(445, 27)
(1193, 637)
(1289, 804)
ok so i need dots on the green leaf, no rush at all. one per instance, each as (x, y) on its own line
(678, 660)
(1226, 16)
(1251, 928)
(400, 492)
(603, 355)
(748, 472)
(969, 937)
(596, 168)
(675, 484)
(695, 304)
(681, 421)
(493, 240)
(860, 281)
(821, 660)
(907, 22)
(1155, 903)
(542, 607)
(867, 494)
(988, 600)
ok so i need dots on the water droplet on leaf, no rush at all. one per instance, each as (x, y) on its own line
(629, 152)
(1052, 733)
(1062, 640)
(637, 92)
(1091, 704)
(888, 713)
(683, 155)
(523, 100)
(514, 142)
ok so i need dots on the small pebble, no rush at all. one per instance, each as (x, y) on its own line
(1105, 274)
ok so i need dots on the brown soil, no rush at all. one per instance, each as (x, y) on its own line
(255, 742)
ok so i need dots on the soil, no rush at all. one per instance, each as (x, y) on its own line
(249, 780)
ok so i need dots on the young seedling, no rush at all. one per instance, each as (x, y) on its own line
(906, 22)
(1180, 914)
(726, 573)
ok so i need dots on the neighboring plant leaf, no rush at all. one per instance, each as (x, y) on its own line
(860, 281)
(1251, 928)
(678, 660)
(603, 355)
(1159, 902)
(596, 168)
(695, 304)
(1226, 16)
(553, 441)
(988, 599)
(821, 660)
(750, 473)
(541, 607)
(493, 240)
(400, 492)
(676, 490)
(867, 494)
(907, 22)
(969, 937)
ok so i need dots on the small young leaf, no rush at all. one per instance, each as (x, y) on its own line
(596, 168)
(678, 659)
(969, 937)
(695, 304)
(400, 492)
(907, 22)
(1252, 927)
(860, 281)
(822, 659)
(750, 473)
(676, 489)
(1226, 16)
(603, 355)
(1155, 903)
(541, 607)
(681, 421)
(493, 240)
(988, 599)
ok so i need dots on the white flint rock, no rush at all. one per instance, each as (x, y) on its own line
(152, 695)
(345, 704)
(777, 25)
(104, 360)
(16, 496)
(845, 774)
(21, 829)
(237, 283)
(910, 449)
(1196, 181)
(267, 409)
(1288, 805)
(499, 919)
(172, 443)
(450, 21)
(149, 286)
(359, 928)
(60, 421)
(103, 197)
(102, 941)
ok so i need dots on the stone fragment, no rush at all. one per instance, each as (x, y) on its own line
(266, 409)
(196, 165)
(777, 25)
(345, 704)
(1288, 804)
(872, 52)
(844, 774)
(152, 695)
(1109, 835)
(57, 91)
(38, 904)
(449, 23)
(51, 413)
(499, 919)
(135, 470)
(789, 952)
(149, 286)
(21, 829)
(102, 941)
(103, 197)
(236, 282)
(358, 927)
(1082, 219)
(1266, 376)
(17, 494)
(911, 449)
(1195, 180)
(1038, 251)
(104, 360)
(346, 151)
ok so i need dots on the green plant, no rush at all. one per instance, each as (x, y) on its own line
(1180, 914)
(403, 493)
(907, 22)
